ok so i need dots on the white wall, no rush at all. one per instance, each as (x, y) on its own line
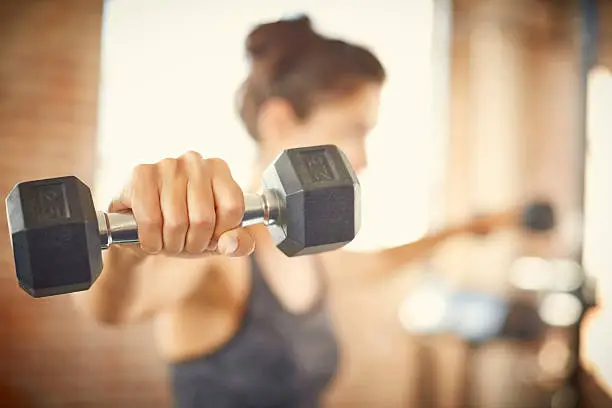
(171, 67)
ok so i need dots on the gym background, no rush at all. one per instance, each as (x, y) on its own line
(492, 103)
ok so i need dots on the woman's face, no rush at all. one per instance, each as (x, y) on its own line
(343, 122)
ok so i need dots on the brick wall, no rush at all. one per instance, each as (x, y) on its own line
(49, 75)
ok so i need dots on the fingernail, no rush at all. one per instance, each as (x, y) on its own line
(228, 245)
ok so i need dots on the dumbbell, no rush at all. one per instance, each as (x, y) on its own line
(538, 216)
(310, 203)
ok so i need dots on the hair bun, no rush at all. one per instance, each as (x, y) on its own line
(272, 41)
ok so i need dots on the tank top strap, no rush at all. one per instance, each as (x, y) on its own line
(262, 298)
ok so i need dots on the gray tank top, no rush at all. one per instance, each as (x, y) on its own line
(276, 359)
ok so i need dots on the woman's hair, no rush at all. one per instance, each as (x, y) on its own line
(289, 60)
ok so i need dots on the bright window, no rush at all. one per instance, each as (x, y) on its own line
(598, 223)
(171, 68)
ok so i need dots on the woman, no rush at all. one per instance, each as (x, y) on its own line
(245, 330)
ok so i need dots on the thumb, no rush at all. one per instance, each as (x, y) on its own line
(236, 243)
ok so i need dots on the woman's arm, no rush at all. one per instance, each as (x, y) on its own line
(134, 286)
(423, 248)
(366, 265)
(420, 249)
(391, 259)
(187, 209)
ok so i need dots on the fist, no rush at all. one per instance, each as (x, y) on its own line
(186, 205)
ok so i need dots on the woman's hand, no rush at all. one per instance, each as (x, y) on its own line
(481, 225)
(186, 206)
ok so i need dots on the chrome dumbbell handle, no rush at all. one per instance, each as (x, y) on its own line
(121, 228)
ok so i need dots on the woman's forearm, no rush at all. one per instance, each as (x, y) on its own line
(109, 297)
(420, 249)
(374, 265)
(391, 259)
(424, 247)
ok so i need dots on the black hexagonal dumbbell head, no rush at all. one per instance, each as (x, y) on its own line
(538, 216)
(322, 198)
(54, 233)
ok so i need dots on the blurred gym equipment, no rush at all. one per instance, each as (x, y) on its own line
(434, 307)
